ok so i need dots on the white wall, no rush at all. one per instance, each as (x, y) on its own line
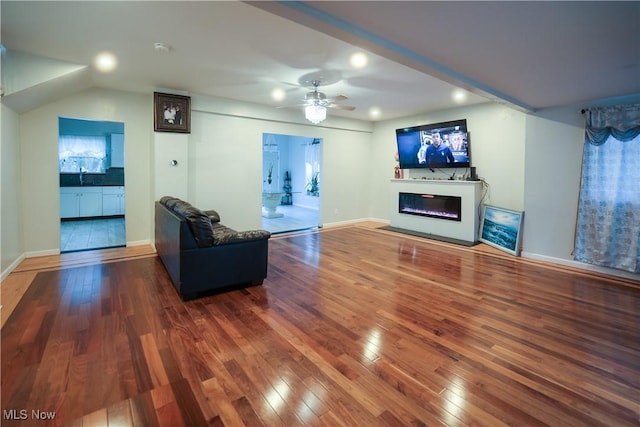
(552, 182)
(39, 180)
(225, 160)
(497, 140)
(10, 212)
(170, 180)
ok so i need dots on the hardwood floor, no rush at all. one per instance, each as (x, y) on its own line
(353, 327)
(15, 285)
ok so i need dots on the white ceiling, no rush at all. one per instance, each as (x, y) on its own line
(530, 55)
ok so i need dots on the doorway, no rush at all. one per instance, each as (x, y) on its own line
(291, 190)
(91, 174)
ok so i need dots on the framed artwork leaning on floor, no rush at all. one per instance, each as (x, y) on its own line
(502, 229)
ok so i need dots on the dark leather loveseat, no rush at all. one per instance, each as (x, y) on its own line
(202, 255)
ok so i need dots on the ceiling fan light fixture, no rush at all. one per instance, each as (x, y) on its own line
(315, 113)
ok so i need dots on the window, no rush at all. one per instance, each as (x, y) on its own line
(82, 154)
(312, 168)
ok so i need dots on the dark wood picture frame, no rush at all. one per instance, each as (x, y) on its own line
(171, 113)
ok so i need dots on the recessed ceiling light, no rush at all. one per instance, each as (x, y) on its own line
(374, 112)
(459, 95)
(359, 60)
(105, 62)
(278, 94)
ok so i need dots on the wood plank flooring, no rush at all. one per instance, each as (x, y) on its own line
(14, 286)
(353, 327)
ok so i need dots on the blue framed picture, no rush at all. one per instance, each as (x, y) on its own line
(502, 229)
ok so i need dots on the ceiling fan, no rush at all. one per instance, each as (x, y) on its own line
(316, 103)
(318, 98)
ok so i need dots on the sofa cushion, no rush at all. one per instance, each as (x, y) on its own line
(198, 221)
(169, 201)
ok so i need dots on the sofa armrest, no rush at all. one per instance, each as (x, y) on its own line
(240, 236)
(213, 215)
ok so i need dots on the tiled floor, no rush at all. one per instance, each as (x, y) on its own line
(110, 232)
(92, 234)
(295, 218)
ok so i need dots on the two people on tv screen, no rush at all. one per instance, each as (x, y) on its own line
(434, 152)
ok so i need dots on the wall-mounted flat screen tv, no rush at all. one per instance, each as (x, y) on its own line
(437, 145)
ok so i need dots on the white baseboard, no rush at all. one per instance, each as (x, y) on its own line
(351, 222)
(18, 260)
(139, 243)
(47, 252)
(384, 221)
(582, 266)
(11, 267)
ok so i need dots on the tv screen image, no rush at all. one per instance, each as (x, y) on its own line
(437, 145)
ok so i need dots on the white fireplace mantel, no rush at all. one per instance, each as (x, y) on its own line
(464, 231)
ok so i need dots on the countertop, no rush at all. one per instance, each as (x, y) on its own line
(112, 177)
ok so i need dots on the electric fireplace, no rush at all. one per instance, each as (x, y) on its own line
(431, 205)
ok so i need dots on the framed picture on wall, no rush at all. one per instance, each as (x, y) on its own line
(502, 229)
(171, 113)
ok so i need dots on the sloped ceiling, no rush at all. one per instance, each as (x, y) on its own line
(529, 55)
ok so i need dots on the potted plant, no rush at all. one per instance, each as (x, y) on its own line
(313, 186)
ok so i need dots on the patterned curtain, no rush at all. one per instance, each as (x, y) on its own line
(608, 223)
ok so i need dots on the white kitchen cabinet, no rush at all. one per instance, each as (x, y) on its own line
(91, 203)
(117, 150)
(78, 202)
(69, 203)
(113, 201)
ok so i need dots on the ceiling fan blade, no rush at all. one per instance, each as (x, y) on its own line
(341, 107)
(316, 97)
(337, 98)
